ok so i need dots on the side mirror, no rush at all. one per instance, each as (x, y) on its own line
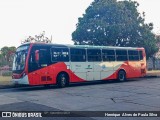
(37, 56)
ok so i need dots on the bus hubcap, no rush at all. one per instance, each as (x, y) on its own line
(63, 80)
(121, 76)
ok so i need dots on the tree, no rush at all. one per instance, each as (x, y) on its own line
(157, 55)
(158, 39)
(7, 55)
(38, 38)
(115, 23)
(1, 59)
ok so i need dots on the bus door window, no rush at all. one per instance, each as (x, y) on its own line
(38, 59)
(43, 59)
(33, 65)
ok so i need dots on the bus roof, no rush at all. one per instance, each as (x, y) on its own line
(83, 46)
(102, 47)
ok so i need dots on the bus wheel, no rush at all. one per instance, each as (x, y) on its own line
(121, 76)
(62, 80)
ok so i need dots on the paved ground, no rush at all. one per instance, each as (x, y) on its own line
(135, 95)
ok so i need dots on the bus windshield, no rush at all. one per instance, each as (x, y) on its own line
(20, 59)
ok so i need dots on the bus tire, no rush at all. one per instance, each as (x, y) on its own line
(121, 76)
(62, 80)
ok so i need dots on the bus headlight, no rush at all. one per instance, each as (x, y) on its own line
(23, 74)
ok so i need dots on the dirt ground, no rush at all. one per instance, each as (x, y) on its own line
(153, 73)
(5, 80)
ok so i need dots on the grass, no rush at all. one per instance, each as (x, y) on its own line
(5, 80)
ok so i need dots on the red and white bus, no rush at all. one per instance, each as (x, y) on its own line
(46, 64)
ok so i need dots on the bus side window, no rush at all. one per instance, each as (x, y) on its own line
(94, 55)
(60, 54)
(78, 55)
(133, 55)
(121, 55)
(108, 55)
(140, 55)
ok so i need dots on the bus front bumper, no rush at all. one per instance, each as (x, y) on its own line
(21, 81)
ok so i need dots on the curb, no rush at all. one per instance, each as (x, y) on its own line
(151, 76)
(11, 86)
(6, 86)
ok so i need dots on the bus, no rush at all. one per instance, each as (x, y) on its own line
(57, 64)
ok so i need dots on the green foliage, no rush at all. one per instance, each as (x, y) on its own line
(6, 56)
(158, 38)
(8, 73)
(115, 23)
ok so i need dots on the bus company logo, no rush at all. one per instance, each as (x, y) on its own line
(6, 114)
(78, 65)
(104, 67)
(89, 67)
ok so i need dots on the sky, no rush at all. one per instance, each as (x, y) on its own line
(22, 18)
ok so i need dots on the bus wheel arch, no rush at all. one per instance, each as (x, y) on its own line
(121, 75)
(62, 79)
